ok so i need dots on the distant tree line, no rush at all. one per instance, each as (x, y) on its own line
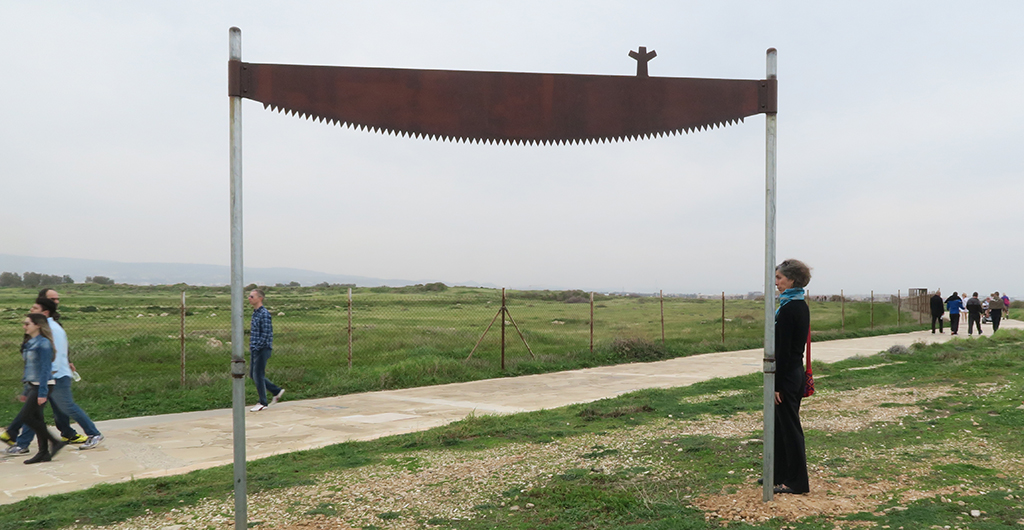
(36, 279)
(32, 279)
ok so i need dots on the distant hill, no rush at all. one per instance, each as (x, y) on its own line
(190, 273)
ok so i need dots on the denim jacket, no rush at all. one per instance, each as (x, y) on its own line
(38, 356)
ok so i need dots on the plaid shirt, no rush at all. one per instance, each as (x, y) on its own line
(261, 331)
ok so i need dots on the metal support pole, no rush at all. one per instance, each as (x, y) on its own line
(871, 308)
(771, 129)
(350, 329)
(899, 306)
(237, 360)
(182, 335)
(591, 322)
(661, 299)
(723, 317)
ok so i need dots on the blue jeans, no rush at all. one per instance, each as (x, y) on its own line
(258, 372)
(63, 405)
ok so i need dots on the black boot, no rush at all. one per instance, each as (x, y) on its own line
(41, 456)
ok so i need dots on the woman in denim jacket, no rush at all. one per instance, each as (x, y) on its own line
(38, 354)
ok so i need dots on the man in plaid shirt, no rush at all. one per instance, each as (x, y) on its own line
(261, 341)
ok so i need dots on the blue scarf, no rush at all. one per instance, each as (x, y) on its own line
(794, 293)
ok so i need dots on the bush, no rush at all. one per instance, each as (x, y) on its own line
(638, 349)
(898, 349)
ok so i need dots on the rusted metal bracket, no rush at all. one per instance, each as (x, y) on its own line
(768, 96)
(238, 79)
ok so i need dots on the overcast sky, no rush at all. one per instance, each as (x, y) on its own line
(900, 145)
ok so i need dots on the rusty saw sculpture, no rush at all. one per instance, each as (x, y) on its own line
(494, 107)
(505, 107)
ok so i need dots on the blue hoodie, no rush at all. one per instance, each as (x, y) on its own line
(955, 306)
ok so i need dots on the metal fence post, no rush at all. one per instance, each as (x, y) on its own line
(182, 335)
(723, 317)
(350, 329)
(661, 299)
(872, 309)
(591, 321)
(504, 312)
(842, 298)
(899, 305)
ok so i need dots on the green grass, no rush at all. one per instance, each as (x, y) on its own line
(985, 374)
(405, 337)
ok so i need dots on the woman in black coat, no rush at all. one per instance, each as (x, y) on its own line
(792, 322)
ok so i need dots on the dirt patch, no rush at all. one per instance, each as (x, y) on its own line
(829, 497)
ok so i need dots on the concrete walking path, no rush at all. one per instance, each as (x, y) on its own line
(171, 444)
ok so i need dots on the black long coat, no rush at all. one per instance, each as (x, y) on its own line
(791, 326)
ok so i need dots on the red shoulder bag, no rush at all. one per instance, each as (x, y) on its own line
(809, 374)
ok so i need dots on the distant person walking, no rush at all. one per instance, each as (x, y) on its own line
(954, 304)
(973, 314)
(1006, 306)
(792, 324)
(37, 352)
(261, 342)
(995, 308)
(937, 311)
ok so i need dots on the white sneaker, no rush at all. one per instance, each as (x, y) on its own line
(276, 398)
(92, 442)
(258, 407)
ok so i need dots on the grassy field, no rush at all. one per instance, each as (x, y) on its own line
(925, 439)
(126, 340)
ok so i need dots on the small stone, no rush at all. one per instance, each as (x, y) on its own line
(514, 508)
(975, 513)
(529, 505)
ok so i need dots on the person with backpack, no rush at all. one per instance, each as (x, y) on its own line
(996, 307)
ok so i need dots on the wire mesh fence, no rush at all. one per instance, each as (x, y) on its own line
(144, 350)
